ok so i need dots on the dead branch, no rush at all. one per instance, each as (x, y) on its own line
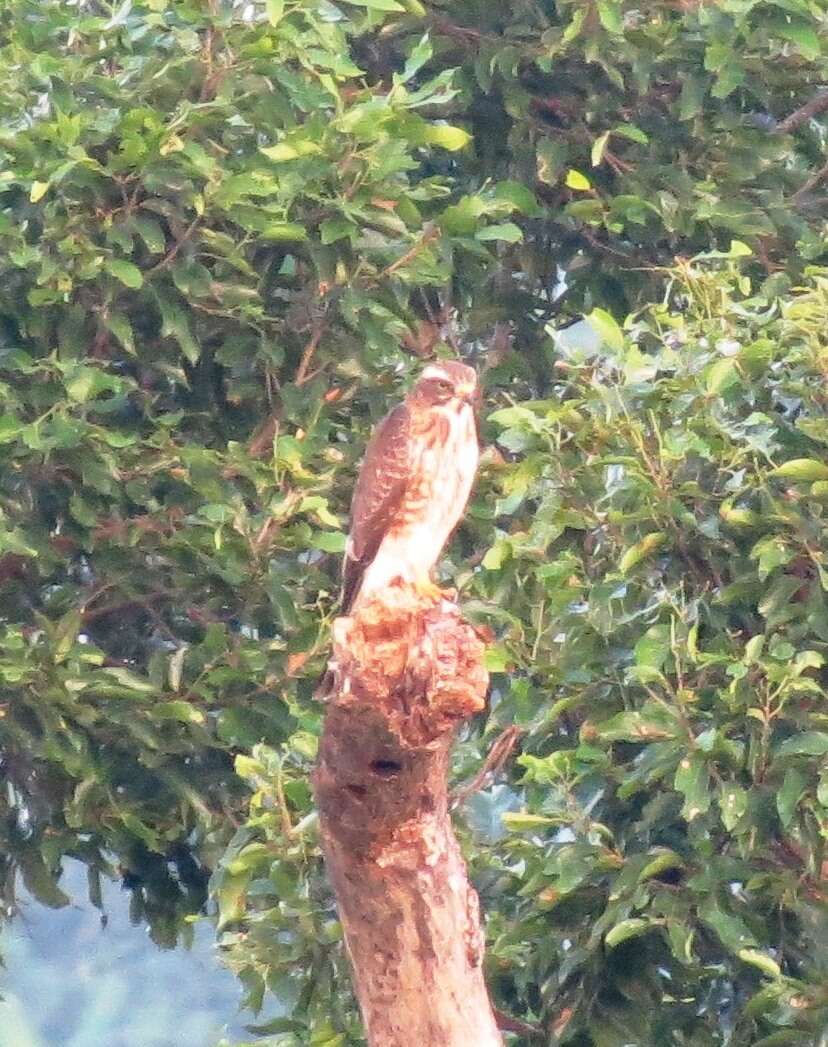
(405, 674)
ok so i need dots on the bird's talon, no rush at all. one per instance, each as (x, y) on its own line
(427, 590)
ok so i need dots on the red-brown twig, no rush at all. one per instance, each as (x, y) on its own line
(495, 760)
(818, 104)
(507, 1023)
(303, 370)
(429, 234)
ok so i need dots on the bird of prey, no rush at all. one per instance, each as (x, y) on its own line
(415, 480)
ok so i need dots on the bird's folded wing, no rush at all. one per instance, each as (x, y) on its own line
(377, 498)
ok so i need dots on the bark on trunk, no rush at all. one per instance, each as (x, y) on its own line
(405, 675)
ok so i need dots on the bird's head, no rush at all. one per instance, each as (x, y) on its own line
(447, 383)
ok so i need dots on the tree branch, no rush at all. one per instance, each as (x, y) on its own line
(405, 674)
(818, 104)
(429, 234)
(495, 760)
(303, 370)
(810, 184)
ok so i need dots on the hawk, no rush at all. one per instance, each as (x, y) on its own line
(415, 480)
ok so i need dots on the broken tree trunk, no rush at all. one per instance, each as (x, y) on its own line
(405, 674)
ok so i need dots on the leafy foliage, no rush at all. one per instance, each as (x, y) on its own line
(666, 881)
(227, 232)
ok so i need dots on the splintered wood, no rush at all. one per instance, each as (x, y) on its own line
(405, 674)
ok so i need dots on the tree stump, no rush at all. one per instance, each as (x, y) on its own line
(405, 674)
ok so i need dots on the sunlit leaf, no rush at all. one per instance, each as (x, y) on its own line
(607, 327)
(802, 470)
(576, 180)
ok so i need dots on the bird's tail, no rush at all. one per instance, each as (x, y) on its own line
(324, 685)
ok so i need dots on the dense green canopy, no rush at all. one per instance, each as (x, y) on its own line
(228, 233)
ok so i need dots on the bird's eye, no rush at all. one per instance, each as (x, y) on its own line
(443, 386)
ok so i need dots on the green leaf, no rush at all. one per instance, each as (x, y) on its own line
(231, 896)
(462, 218)
(605, 325)
(771, 553)
(131, 681)
(506, 231)
(733, 931)
(633, 133)
(721, 376)
(519, 196)
(681, 937)
(176, 667)
(733, 801)
(141, 830)
(803, 35)
(626, 929)
(181, 711)
(82, 511)
(330, 541)
(753, 649)
(497, 659)
(790, 794)
(275, 9)
(377, 5)
(417, 58)
(801, 470)
(118, 323)
(66, 634)
(333, 229)
(523, 821)
(691, 100)
(284, 231)
(636, 553)
(151, 233)
(499, 553)
(10, 428)
(129, 275)
(326, 1036)
(693, 780)
(446, 136)
(85, 383)
(598, 147)
(809, 743)
(661, 862)
(292, 150)
(650, 724)
(176, 325)
(38, 191)
(609, 11)
(765, 963)
(590, 211)
(551, 159)
(41, 882)
(653, 649)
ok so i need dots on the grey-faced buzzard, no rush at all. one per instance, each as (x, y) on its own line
(413, 486)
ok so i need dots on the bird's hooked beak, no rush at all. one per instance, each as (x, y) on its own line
(469, 393)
